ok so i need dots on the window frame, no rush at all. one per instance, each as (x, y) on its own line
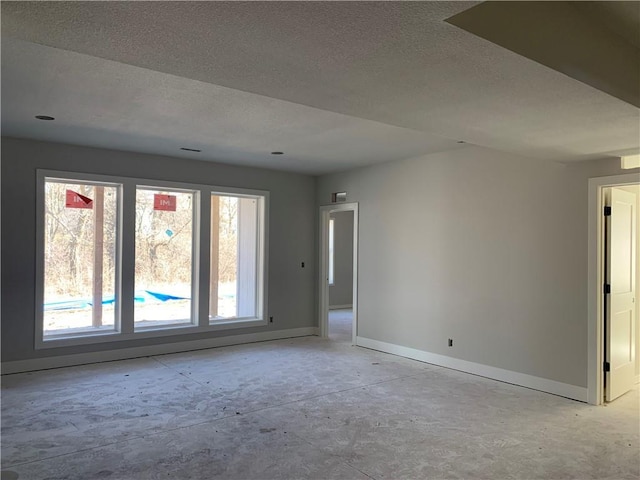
(260, 303)
(195, 255)
(331, 272)
(94, 180)
(124, 324)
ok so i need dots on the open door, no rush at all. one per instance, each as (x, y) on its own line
(620, 322)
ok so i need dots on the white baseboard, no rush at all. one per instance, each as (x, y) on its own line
(522, 379)
(45, 363)
(340, 307)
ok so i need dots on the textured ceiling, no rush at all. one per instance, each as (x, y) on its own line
(143, 110)
(333, 84)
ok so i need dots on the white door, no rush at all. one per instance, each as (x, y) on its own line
(620, 313)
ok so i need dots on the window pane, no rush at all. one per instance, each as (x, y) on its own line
(80, 233)
(235, 243)
(164, 263)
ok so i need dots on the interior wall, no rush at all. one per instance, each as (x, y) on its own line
(292, 231)
(484, 247)
(636, 189)
(341, 292)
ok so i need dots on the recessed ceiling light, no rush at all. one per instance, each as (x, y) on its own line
(277, 153)
(44, 117)
(190, 149)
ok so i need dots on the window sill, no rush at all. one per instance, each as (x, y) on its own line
(149, 332)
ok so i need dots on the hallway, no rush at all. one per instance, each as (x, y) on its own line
(340, 324)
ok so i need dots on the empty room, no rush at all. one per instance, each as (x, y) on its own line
(320, 240)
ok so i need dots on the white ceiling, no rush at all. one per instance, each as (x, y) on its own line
(335, 85)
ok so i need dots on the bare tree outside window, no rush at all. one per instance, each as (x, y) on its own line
(81, 260)
(234, 242)
(70, 258)
(164, 258)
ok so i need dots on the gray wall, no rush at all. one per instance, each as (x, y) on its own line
(341, 292)
(292, 232)
(484, 247)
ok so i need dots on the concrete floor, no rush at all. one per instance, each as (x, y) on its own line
(302, 408)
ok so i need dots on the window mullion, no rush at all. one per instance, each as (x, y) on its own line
(128, 252)
(204, 253)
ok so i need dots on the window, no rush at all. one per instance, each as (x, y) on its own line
(236, 262)
(164, 283)
(121, 258)
(331, 249)
(80, 257)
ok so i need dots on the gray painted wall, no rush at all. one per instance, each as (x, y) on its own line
(292, 227)
(481, 246)
(341, 292)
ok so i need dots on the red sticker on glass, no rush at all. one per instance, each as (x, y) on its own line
(165, 203)
(75, 200)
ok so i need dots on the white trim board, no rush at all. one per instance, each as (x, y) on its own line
(46, 363)
(522, 379)
(323, 264)
(340, 307)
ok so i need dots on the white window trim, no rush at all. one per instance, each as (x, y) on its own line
(261, 226)
(125, 258)
(89, 337)
(332, 251)
(195, 257)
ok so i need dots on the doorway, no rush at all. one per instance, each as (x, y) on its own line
(338, 280)
(341, 276)
(613, 336)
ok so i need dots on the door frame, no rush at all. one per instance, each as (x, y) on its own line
(596, 275)
(323, 278)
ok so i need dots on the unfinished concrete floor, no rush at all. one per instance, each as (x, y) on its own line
(302, 408)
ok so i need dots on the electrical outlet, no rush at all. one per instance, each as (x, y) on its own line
(302, 265)
(451, 342)
(270, 319)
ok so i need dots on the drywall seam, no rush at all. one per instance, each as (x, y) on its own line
(522, 379)
(45, 363)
